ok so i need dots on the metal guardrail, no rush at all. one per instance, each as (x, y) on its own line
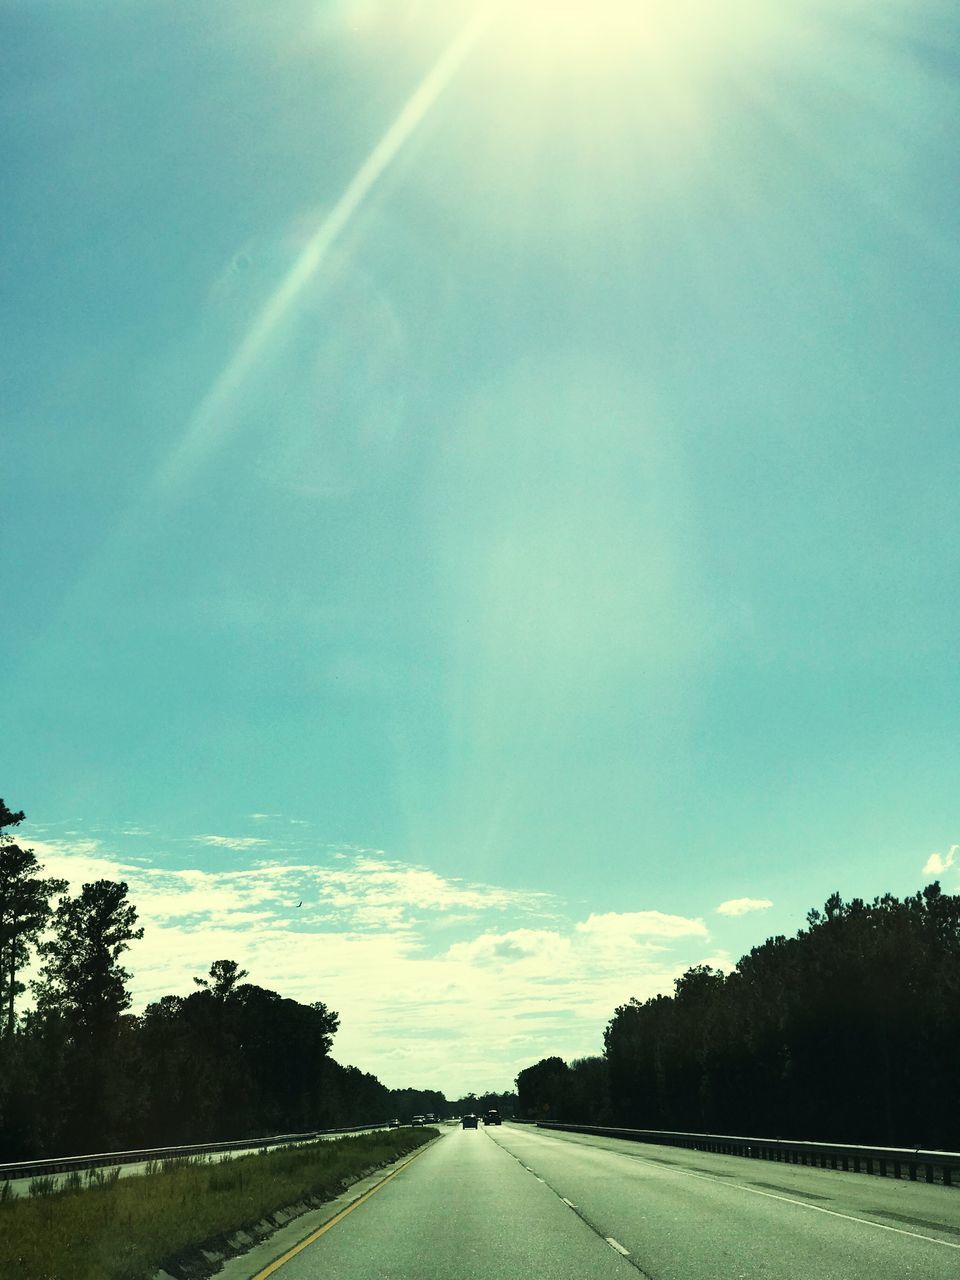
(103, 1159)
(935, 1166)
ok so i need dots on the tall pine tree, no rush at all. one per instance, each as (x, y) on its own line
(24, 912)
(82, 978)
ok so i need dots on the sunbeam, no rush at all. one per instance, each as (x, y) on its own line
(208, 422)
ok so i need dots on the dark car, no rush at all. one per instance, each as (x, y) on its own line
(492, 1117)
(469, 1122)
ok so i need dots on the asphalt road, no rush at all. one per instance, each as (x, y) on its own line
(515, 1202)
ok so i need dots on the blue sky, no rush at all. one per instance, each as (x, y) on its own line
(513, 447)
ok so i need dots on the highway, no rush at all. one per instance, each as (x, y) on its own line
(501, 1203)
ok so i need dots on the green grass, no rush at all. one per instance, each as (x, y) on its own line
(126, 1229)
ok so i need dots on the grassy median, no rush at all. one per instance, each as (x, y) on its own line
(127, 1229)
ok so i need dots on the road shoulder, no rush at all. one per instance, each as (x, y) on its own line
(245, 1254)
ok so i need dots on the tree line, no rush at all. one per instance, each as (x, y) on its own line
(849, 1031)
(479, 1104)
(79, 1073)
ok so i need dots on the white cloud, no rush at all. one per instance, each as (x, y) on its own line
(936, 865)
(79, 861)
(534, 951)
(231, 842)
(741, 906)
(638, 924)
(368, 881)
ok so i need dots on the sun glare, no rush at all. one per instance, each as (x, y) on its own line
(601, 36)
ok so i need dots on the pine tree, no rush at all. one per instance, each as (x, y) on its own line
(82, 979)
(24, 912)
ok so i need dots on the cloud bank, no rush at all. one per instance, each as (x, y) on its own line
(439, 981)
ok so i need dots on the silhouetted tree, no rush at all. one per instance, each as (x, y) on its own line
(848, 1031)
(408, 1103)
(82, 980)
(231, 1059)
(81, 995)
(505, 1103)
(542, 1089)
(234, 1059)
(223, 977)
(588, 1092)
(24, 912)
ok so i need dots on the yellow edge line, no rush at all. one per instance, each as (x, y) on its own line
(315, 1235)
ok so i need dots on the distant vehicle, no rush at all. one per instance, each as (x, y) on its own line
(417, 1120)
(492, 1116)
(430, 1117)
(469, 1122)
(395, 1123)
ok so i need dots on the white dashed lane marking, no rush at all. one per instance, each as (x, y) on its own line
(800, 1204)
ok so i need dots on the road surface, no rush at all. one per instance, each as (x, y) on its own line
(513, 1202)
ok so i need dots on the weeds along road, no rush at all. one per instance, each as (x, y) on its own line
(515, 1201)
(22, 1186)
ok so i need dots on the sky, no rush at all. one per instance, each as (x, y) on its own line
(488, 472)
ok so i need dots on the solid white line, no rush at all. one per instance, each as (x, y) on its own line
(802, 1204)
(816, 1208)
(615, 1244)
(568, 1202)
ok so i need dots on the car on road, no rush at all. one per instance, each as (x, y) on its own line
(395, 1123)
(469, 1122)
(492, 1116)
(417, 1120)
